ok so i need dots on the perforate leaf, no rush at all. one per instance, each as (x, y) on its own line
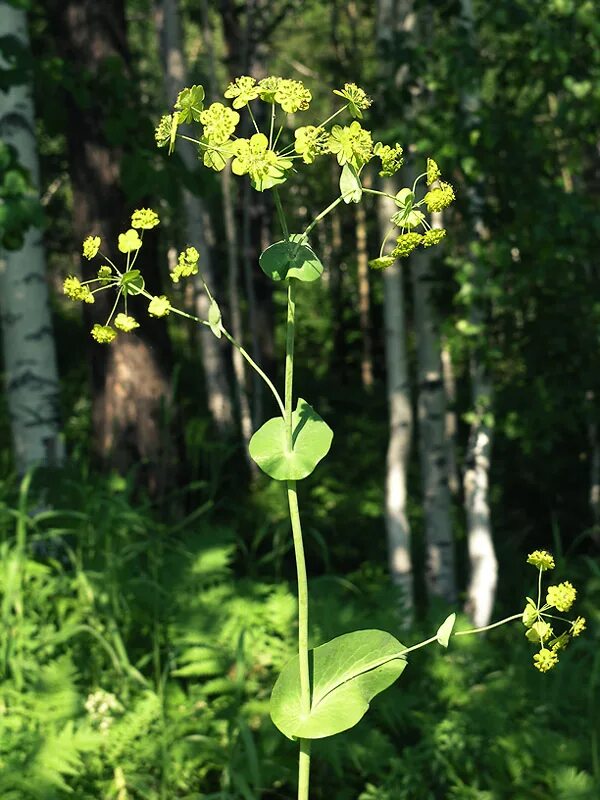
(214, 318)
(292, 259)
(346, 673)
(132, 282)
(311, 440)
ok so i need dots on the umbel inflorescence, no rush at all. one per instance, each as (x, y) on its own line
(540, 621)
(268, 158)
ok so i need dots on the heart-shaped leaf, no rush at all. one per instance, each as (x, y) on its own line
(291, 259)
(311, 440)
(346, 673)
(350, 185)
(132, 282)
(444, 632)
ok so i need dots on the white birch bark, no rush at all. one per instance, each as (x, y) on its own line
(400, 416)
(197, 221)
(398, 384)
(433, 446)
(31, 375)
(482, 556)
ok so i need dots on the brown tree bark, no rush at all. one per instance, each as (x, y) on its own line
(130, 387)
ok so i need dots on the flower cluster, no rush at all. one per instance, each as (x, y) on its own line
(265, 167)
(356, 97)
(440, 197)
(540, 631)
(311, 142)
(409, 217)
(102, 708)
(126, 281)
(187, 264)
(391, 158)
(352, 144)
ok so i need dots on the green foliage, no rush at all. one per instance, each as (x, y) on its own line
(293, 258)
(311, 440)
(345, 674)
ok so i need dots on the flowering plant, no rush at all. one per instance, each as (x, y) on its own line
(326, 690)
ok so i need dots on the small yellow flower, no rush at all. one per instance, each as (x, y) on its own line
(159, 306)
(545, 660)
(144, 218)
(91, 246)
(125, 323)
(578, 626)
(433, 236)
(187, 264)
(433, 171)
(129, 241)
(292, 95)
(406, 243)
(541, 559)
(356, 97)
(103, 334)
(352, 144)
(383, 262)
(242, 90)
(267, 88)
(219, 123)
(561, 596)
(105, 273)
(540, 631)
(74, 289)
(391, 158)
(439, 198)
(310, 142)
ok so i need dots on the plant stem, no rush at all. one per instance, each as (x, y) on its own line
(304, 756)
(489, 627)
(281, 215)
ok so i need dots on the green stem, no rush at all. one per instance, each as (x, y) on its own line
(281, 215)
(304, 756)
(239, 347)
(489, 627)
(289, 362)
(255, 367)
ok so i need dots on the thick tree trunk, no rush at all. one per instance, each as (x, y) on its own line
(440, 572)
(32, 385)
(214, 360)
(484, 567)
(131, 390)
(400, 416)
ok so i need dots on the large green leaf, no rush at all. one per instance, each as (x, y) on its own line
(311, 440)
(346, 673)
(291, 259)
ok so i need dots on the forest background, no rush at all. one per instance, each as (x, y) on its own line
(146, 572)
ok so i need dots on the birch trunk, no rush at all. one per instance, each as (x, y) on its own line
(400, 416)
(197, 221)
(482, 556)
(32, 385)
(364, 297)
(440, 572)
(398, 386)
(451, 424)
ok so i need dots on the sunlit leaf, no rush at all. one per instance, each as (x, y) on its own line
(346, 673)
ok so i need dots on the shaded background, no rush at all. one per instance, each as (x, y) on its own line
(147, 582)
